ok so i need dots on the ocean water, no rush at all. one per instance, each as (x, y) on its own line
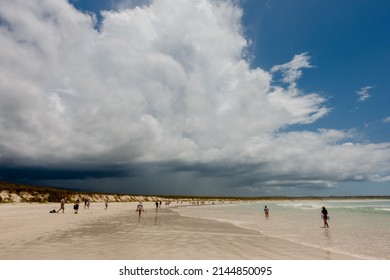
(360, 228)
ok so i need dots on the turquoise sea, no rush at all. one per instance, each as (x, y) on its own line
(360, 228)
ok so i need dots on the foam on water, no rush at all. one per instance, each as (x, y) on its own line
(357, 227)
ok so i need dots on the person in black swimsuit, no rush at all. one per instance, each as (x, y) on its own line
(325, 217)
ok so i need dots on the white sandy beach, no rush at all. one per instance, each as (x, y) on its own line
(29, 231)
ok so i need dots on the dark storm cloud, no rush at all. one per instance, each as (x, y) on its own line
(62, 173)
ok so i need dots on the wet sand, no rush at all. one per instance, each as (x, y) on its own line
(31, 232)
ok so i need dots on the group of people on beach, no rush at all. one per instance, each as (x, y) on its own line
(140, 208)
(76, 205)
(324, 215)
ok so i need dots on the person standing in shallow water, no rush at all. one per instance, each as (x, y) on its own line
(266, 212)
(140, 208)
(325, 216)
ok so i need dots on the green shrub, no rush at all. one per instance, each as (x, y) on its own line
(54, 197)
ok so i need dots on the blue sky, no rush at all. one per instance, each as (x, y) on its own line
(349, 48)
(197, 97)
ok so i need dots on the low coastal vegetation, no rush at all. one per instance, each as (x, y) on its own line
(14, 193)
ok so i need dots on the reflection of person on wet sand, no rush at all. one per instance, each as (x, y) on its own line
(140, 208)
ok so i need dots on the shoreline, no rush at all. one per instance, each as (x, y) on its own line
(29, 232)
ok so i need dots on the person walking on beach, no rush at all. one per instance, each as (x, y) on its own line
(62, 207)
(76, 207)
(266, 212)
(106, 203)
(156, 206)
(140, 208)
(325, 216)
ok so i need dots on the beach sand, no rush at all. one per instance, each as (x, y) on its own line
(29, 231)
